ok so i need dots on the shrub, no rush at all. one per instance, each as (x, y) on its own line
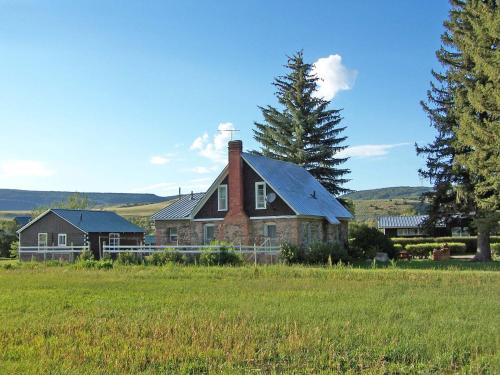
(321, 252)
(398, 247)
(291, 253)
(423, 249)
(164, 257)
(104, 264)
(14, 249)
(367, 241)
(495, 249)
(224, 254)
(470, 241)
(127, 259)
(85, 255)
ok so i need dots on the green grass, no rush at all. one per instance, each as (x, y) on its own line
(274, 319)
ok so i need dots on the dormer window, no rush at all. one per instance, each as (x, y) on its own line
(260, 195)
(222, 197)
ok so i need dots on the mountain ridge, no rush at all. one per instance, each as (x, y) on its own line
(17, 199)
(392, 192)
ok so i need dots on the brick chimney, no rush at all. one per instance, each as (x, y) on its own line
(236, 223)
(235, 166)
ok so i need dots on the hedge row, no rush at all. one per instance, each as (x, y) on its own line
(423, 249)
(470, 242)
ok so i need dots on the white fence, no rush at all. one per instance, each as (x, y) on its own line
(42, 251)
(71, 252)
(250, 251)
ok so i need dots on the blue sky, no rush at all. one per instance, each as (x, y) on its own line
(128, 96)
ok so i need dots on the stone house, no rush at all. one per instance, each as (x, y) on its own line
(255, 200)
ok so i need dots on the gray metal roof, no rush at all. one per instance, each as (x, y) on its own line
(97, 221)
(401, 221)
(298, 188)
(180, 209)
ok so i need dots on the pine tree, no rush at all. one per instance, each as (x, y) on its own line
(478, 108)
(463, 161)
(304, 131)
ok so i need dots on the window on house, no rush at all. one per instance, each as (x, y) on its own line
(42, 239)
(222, 195)
(310, 233)
(270, 233)
(260, 195)
(114, 239)
(61, 239)
(172, 234)
(409, 231)
(208, 233)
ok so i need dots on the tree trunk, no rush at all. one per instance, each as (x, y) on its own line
(483, 252)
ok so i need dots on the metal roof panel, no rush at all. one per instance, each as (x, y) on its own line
(298, 188)
(92, 221)
(181, 209)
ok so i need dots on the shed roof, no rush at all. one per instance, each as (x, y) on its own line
(401, 221)
(91, 221)
(180, 209)
(298, 188)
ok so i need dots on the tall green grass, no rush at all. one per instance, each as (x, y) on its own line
(275, 319)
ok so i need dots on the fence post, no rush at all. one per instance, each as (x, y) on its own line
(255, 254)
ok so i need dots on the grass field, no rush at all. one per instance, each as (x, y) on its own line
(369, 210)
(139, 210)
(277, 319)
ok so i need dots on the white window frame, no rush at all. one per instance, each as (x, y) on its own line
(266, 229)
(115, 241)
(220, 188)
(170, 234)
(205, 239)
(257, 185)
(59, 242)
(46, 239)
(272, 240)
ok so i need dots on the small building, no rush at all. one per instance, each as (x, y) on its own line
(255, 200)
(409, 226)
(64, 228)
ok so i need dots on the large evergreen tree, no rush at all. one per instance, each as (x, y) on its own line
(304, 131)
(463, 106)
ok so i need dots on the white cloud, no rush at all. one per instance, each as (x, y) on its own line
(333, 76)
(214, 150)
(25, 168)
(368, 151)
(159, 160)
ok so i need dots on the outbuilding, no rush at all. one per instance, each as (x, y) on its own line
(64, 228)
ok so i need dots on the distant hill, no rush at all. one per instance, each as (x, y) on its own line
(25, 200)
(397, 192)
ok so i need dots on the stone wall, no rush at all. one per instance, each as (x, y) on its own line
(291, 230)
(184, 232)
